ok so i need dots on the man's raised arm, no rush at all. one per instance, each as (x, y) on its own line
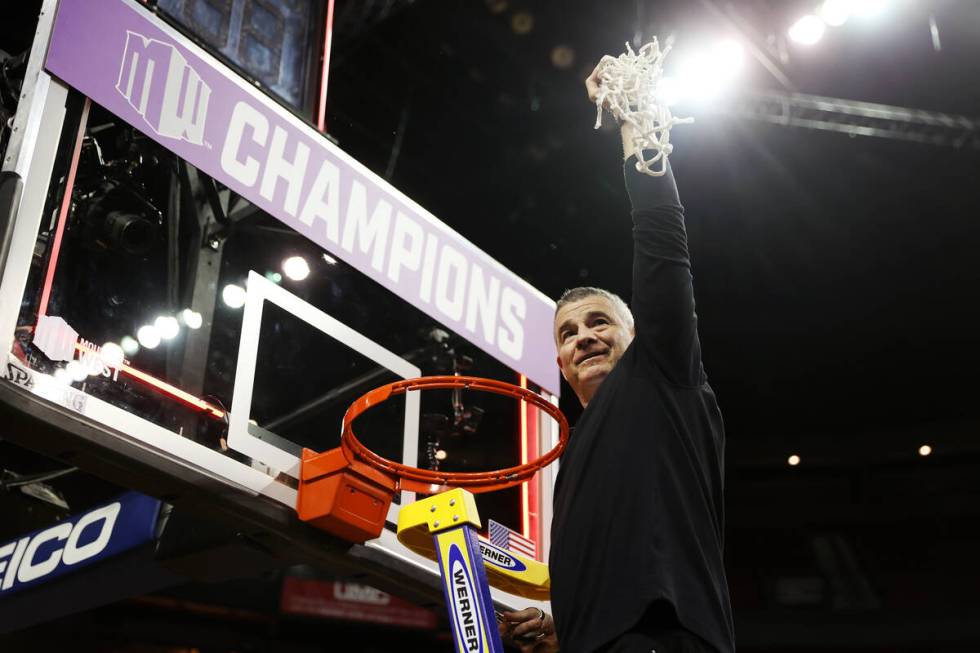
(663, 291)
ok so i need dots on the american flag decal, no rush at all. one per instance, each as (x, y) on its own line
(506, 539)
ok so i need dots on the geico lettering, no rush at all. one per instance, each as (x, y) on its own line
(8, 567)
(243, 116)
(107, 515)
(30, 568)
(24, 563)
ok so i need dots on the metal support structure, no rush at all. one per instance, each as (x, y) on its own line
(856, 118)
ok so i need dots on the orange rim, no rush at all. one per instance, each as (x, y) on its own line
(427, 481)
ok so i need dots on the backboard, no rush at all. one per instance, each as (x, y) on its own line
(199, 270)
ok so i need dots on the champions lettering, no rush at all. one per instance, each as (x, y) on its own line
(31, 558)
(337, 207)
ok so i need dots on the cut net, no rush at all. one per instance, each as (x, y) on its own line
(630, 89)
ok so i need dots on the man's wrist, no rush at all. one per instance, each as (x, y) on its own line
(626, 131)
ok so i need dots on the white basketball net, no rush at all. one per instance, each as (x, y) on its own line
(630, 89)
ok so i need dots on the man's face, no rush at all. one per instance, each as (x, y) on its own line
(591, 338)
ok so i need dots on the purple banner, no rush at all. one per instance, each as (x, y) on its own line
(121, 56)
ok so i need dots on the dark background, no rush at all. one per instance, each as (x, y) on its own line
(836, 276)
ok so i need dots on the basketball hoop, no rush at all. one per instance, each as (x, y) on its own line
(347, 490)
(427, 481)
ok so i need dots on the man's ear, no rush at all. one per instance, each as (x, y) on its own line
(561, 368)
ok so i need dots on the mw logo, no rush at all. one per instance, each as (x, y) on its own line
(161, 86)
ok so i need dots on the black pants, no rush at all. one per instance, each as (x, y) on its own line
(658, 632)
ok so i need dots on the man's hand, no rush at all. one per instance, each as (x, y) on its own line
(592, 84)
(530, 631)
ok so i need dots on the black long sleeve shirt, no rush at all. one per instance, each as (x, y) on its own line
(638, 508)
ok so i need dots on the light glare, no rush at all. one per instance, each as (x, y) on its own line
(296, 268)
(167, 327)
(807, 30)
(868, 8)
(705, 75)
(233, 296)
(793, 460)
(148, 336)
(925, 450)
(76, 370)
(835, 12)
(129, 345)
(192, 319)
(112, 355)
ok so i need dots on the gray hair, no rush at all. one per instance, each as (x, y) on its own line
(582, 292)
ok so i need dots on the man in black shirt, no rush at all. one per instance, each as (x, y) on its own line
(637, 535)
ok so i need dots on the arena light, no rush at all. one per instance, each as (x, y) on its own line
(925, 450)
(807, 30)
(793, 460)
(192, 319)
(148, 336)
(705, 75)
(129, 345)
(233, 296)
(441, 454)
(167, 327)
(835, 12)
(112, 354)
(77, 370)
(868, 8)
(296, 268)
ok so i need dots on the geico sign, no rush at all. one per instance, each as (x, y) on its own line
(30, 558)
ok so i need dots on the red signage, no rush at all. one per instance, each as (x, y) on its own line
(351, 601)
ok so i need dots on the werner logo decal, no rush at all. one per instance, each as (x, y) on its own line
(465, 602)
(158, 82)
(500, 558)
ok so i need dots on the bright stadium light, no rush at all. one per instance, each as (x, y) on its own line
(793, 460)
(148, 336)
(191, 318)
(868, 8)
(113, 355)
(233, 296)
(77, 370)
(296, 268)
(704, 75)
(807, 30)
(835, 12)
(167, 326)
(129, 345)
(925, 450)
(670, 91)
